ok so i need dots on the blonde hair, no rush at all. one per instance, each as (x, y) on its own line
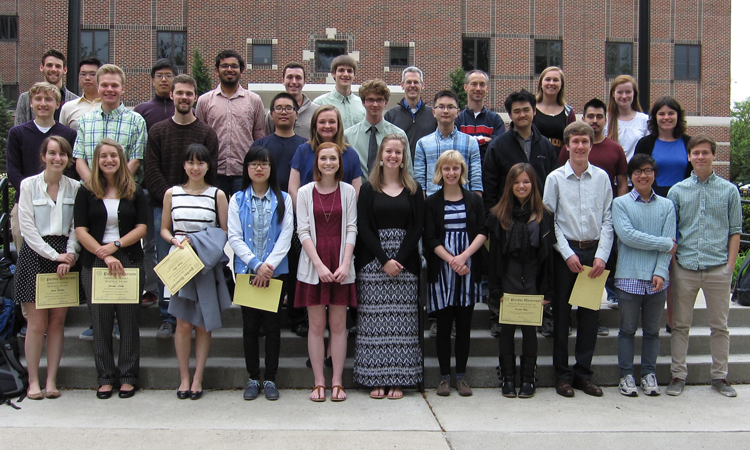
(110, 69)
(449, 156)
(44, 86)
(612, 109)
(376, 174)
(123, 180)
(560, 93)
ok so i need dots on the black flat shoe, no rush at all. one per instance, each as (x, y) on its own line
(126, 394)
(103, 395)
(195, 395)
(183, 395)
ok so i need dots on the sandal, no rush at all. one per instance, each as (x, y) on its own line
(395, 394)
(377, 393)
(337, 397)
(38, 396)
(52, 394)
(321, 391)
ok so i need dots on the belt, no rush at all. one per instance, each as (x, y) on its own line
(583, 244)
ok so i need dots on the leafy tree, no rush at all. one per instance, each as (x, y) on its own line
(457, 78)
(740, 142)
(200, 72)
(6, 122)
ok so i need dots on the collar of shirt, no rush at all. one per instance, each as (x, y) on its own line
(240, 92)
(638, 198)
(92, 102)
(711, 178)
(569, 170)
(481, 111)
(337, 95)
(380, 126)
(406, 106)
(265, 196)
(115, 113)
(452, 134)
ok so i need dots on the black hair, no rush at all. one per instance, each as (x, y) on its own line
(450, 94)
(89, 60)
(199, 152)
(522, 96)
(595, 103)
(284, 95)
(163, 63)
(638, 160)
(224, 54)
(262, 154)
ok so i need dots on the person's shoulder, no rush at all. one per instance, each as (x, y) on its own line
(142, 107)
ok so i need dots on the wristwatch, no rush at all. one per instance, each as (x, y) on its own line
(117, 244)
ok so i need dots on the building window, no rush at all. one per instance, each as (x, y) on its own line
(687, 62)
(261, 55)
(399, 57)
(325, 52)
(172, 46)
(619, 59)
(547, 53)
(95, 43)
(475, 54)
(8, 28)
(10, 92)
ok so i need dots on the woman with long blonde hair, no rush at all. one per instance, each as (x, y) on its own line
(553, 114)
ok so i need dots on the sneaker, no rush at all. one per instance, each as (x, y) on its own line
(444, 388)
(603, 331)
(148, 299)
(272, 392)
(627, 386)
(252, 390)
(676, 386)
(650, 386)
(546, 329)
(433, 329)
(87, 335)
(22, 333)
(612, 303)
(165, 331)
(116, 331)
(463, 388)
(495, 330)
(723, 387)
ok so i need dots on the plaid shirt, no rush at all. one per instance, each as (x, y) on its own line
(121, 124)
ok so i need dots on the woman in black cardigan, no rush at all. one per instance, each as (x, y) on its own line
(110, 219)
(390, 214)
(454, 238)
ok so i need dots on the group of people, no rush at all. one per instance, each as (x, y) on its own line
(336, 198)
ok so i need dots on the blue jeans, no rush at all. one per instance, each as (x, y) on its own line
(649, 307)
(162, 250)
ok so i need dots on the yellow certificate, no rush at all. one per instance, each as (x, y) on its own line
(179, 267)
(246, 294)
(521, 309)
(108, 289)
(54, 292)
(588, 292)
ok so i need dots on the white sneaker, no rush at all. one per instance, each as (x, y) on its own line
(627, 386)
(650, 386)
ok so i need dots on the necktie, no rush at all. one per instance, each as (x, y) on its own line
(372, 152)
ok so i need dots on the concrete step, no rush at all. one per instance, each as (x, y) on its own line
(230, 373)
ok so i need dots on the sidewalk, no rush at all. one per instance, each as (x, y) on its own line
(699, 418)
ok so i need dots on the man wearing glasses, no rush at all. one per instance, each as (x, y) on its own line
(366, 136)
(236, 114)
(73, 110)
(293, 79)
(446, 137)
(160, 107)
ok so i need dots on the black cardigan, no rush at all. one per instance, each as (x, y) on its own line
(91, 213)
(646, 145)
(545, 278)
(434, 232)
(368, 241)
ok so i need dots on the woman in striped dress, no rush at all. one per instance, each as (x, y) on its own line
(454, 237)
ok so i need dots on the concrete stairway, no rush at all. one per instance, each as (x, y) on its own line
(226, 368)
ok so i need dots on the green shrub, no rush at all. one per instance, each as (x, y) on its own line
(457, 78)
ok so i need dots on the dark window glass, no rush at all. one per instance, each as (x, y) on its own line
(95, 43)
(325, 52)
(687, 62)
(399, 57)
(8, 28)
(262, 54)
(547, 53)
(475, 54)
(619, 57)
(10, 92)
(171, 45)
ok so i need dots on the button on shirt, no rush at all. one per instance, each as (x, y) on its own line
(238, 120)
(430, 147)
(707, 214)
(350, 107)
(358, 137)
(261, 224)
(582, 208)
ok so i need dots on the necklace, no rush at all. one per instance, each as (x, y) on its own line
(327, 215)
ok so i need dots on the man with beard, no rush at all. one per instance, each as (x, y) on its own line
(236, 114)
(412, 114)
(293, 79)
(54, 67)
(167, 141)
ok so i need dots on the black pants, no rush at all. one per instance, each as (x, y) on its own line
(295, 316)
(587, 319)
(251, 321)
(529, 344)
(462, 316)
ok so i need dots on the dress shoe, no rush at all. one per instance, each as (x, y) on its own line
(183, 395)
(587, 387)
(126, 394)
(195, 395)
(251, 392)
(564, 388)
(301, 330)
(103, 395)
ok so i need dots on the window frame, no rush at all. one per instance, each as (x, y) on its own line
(11, 93)
(171, 56)
(618, 64)
(403, 48)
(549, 62)
(475, 64)
(5, 26)
(93, 44)
(687, 48)
(317, 53)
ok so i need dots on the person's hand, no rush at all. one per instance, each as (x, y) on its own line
(105, 250)
(545, 302)
(259, 282)
(501, 299)
(574, 264)
(658, 282)
(324, 273)
(180, 243)
(458, 261)
(463, 270)
(598, 268)
(392, 268)
(114, 265)
(341, 274)
(62, 269)
(265, 271)
(66, 258)
(674, 247)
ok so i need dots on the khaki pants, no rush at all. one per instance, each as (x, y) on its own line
(715, 283)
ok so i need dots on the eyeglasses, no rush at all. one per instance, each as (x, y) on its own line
(286, 109)
(374, 100)
(229, 66)
(448, 107)
(87, 74)
(262, 165)
(639, 172)
(164, 76)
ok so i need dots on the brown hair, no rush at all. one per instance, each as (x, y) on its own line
(560, 93)
(316, 170)
(123, 181)
(613, 110)
(338, 138)
(44, 86)
(504, 208)
(699, 139)
(64, 147)
(376, 174)
(578, 129)
(377, 87)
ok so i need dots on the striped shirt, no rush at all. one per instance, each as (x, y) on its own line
(192, 213)
(455, 216)
(430, 147)
(707, 214)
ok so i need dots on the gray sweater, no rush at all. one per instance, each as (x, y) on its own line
(23, 106)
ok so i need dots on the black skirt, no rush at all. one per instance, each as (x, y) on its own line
(30, 263)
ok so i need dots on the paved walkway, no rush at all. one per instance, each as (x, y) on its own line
(699, 418)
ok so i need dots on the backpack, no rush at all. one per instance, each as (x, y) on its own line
(14, 380)
(741, 293)
(7, 318)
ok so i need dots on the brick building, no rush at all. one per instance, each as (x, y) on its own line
(512, 39)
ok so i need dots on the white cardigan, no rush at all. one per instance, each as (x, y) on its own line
(306, 272)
